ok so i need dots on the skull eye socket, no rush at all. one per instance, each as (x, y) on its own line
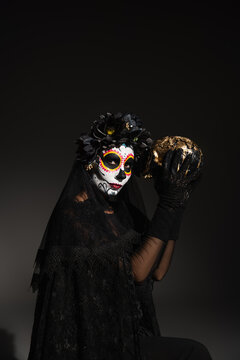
(128, 165)
(111, 160)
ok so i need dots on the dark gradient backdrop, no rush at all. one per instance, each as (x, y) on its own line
(176, 67)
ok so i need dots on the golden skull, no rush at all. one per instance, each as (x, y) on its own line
(161, 146)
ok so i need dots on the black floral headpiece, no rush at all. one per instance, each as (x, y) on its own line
(113, 130)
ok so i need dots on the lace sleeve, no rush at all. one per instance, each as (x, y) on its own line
(87, 306)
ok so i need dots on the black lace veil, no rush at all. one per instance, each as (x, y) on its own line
(86, 306)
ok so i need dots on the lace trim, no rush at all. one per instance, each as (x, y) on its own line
(79, 257)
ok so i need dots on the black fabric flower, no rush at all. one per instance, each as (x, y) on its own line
(113, 130)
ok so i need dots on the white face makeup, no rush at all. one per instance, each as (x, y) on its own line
(114, 169)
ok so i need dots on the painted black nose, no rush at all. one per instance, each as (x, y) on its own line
(121, 175)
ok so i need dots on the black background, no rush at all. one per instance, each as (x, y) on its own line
(176, 66)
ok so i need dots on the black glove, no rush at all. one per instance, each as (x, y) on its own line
(174, 182)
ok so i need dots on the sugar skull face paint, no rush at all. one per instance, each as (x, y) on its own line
(114, 169)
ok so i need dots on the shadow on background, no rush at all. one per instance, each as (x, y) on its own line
(7, 348)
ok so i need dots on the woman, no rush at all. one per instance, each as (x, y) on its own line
(100, 255)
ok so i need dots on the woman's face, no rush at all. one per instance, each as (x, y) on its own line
(114, 169)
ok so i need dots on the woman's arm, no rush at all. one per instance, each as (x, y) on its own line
(143, 261)
(165, 261)
(174, 183)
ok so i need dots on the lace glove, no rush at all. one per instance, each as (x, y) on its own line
(174, 182)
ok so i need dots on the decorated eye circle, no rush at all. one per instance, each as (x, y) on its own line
(111, 160)
(128, 165)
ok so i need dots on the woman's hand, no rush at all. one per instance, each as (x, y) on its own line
(175, 179)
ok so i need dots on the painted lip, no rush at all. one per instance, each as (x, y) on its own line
(115, 186)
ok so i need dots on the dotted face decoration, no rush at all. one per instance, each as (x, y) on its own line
(112, 160)
(114, 169)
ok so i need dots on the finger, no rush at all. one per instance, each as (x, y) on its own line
(176, 161)
(185, 165)
(196, 172)
(167, 160)
(195, 178)
(194, 162)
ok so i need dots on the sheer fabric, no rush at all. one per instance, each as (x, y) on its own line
(89, 305)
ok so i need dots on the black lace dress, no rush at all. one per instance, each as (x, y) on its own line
(88, 304)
